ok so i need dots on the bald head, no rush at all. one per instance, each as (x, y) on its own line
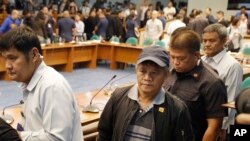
(66, 14)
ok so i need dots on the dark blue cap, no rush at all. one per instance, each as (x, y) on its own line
(156, 54)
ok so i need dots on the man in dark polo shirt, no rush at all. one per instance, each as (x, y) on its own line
(197, 85)
(145, 111)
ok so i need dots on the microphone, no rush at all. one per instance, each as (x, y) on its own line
(6, 117)
(109, 90)
(93, 109)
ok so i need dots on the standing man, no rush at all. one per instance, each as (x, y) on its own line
(145, 111)
(50, 112)
(230, 71)
(154, 27)
(196, 84)
(10, 22)
(66, 27)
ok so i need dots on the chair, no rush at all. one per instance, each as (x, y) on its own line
(148, 42)
(95, 37)
(132, 41)
(160, 43)
(114, 39)
(245, 84)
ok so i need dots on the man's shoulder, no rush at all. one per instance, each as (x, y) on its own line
(119, 91)
(174, 101)
(209, 73)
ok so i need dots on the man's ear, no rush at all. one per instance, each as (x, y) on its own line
(197, 54)
(35, 54)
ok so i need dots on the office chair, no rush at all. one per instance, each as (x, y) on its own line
(95, 37)
(147, 42)
(132, 41)
(160, 44)
(114, 39)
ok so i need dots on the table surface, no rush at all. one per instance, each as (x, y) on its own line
(83, 99)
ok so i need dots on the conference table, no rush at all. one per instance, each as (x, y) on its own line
(83, 99)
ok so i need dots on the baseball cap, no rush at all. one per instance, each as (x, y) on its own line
(156, 54)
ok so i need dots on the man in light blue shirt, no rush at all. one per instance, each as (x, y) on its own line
(230, 71)
(50, 112)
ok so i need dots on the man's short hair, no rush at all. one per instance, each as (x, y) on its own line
(156, 54)
(220, 29)
(220, 12)
(21, 38)
(185, 39)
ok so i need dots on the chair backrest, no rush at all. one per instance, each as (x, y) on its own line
(148, 42)
(160, 43)
(94, 37)
(114, 39)
(245, 84)
(246, 53)
(132, 41)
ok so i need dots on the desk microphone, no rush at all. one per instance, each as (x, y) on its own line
(93, 109)
(6, 117)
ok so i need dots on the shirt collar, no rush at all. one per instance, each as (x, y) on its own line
(35, 78)
(217, 58)
(159, 99)
(195, 72)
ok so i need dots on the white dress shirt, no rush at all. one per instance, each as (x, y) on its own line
(154, 29)
(231, 72)
(50, 109)
(79, 28)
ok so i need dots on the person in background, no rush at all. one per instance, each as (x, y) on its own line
(66, 27)
(85, 9)
(12, 21)
(183, 12)
(90, 23)
(162, 18)
(131, 26)
(230, 71)
(243, 9)
(45, 91)
(154, 28)
(221, 19)
(169, 11)
(143, 10)
(197, 84)
(234, 35)
(145, 111)
(39, 27)
(102, 26)
(209, 16)
(198, 23)
(244, 24)
(79, 26)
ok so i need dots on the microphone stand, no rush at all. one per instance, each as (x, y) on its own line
(94, 109)
(6, 117)
(110, 90)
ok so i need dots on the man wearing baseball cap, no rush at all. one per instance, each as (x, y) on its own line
(145, 111)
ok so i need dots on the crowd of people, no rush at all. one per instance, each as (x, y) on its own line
(122, 20)
(178, 94)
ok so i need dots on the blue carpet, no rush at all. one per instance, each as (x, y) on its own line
(81, 80)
